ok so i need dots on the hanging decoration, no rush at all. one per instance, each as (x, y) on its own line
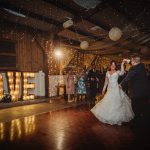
(68, 24)
(84, 45)
(115, 34)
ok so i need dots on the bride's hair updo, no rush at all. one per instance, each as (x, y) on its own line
(113, 61)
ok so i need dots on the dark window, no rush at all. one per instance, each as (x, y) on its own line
(7, 55)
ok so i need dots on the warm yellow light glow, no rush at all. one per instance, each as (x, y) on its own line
(32, 96)
(17, 87)
(28, 85)
(10, 73)
(15, 126)
(1, 131)
(17, 80)
(32, 86)
(29, 124)
(58, 53)
(28, 74)
(1, 86)
(14, 87)
(32, 74)
(17, 74)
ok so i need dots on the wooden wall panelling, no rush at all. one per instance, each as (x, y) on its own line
(28, 54)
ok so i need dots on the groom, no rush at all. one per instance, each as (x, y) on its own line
(139, 89)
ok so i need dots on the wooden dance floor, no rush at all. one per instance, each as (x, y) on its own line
(69, 129)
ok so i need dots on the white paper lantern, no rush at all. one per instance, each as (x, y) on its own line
(145, 50)
(84, 45)
(68, 23)
(115, 34)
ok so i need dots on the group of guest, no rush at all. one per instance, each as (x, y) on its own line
(76, 85)
(83, 85)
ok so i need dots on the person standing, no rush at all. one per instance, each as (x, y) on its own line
(92, 79)
(81, 86)
(115, 107)
(70, 86)
(139, 89)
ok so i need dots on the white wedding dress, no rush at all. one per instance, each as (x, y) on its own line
(115, 107)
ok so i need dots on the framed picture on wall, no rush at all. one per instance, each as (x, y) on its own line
(7, 55)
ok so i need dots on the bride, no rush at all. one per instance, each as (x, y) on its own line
(115, 107)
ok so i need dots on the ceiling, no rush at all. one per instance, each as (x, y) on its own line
(91, 25)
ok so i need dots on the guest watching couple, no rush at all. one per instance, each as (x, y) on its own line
(93, 80)
(81, 85)
(70, 86)
(76, 88)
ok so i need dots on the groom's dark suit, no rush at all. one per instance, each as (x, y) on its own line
(139, 89)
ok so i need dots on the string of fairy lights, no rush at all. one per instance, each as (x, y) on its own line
(53, 66)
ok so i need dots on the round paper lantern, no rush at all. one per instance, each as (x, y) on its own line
(115, 34)
(84, 45)
(145, 50)
(68, 23)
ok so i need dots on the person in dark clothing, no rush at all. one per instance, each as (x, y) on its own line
(93, 79)
(139, 89)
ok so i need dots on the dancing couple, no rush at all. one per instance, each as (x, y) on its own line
(116, 107)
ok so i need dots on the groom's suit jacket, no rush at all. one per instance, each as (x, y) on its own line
(138, 82)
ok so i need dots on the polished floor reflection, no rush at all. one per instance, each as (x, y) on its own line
(17, 128)
(12, 113)
(69, 129)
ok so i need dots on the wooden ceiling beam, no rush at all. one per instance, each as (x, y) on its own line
(79, 17)
(133, 20)
(73, 43)
(40, 8)
(89, 35)
(45, 19)
(27, 21)
(145, 41)
(5, 24)
(30, 14)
